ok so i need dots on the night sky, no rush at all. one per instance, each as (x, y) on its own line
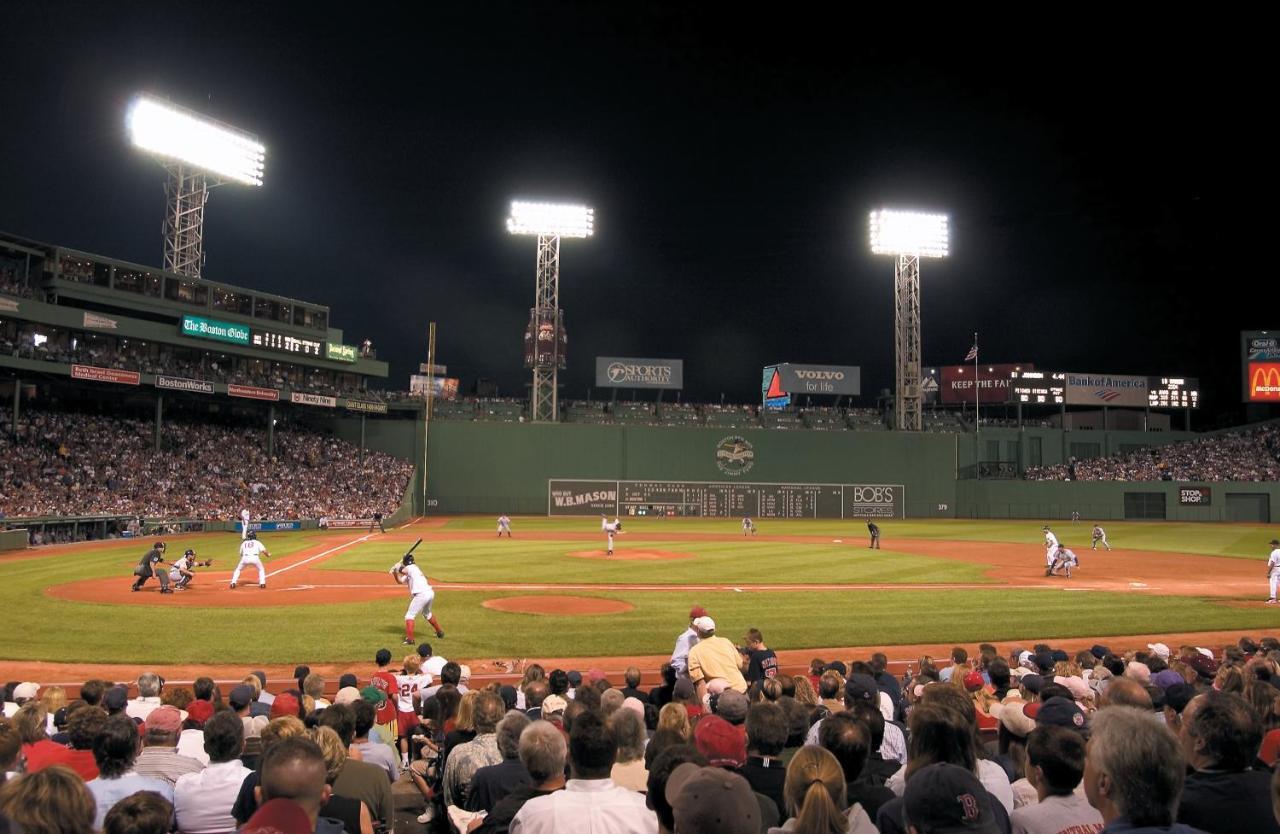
(1104, 184)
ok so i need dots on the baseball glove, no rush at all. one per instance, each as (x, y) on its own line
(207, 563)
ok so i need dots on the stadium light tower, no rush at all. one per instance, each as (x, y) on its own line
(199, 153)
(545, 340)
(909, 236)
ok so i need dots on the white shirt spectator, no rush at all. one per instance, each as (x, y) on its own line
(1056, 814)
(191, 743)
(589, 806)
(680, 655)
(202, 801)
(140, 708)
(893, 747)
(107, 792)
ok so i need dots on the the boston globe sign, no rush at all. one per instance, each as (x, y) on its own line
(629, 372)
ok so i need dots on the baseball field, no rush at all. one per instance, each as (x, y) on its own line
(550, 592)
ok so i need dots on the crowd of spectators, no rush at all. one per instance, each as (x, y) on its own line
(66, 463)
(10, 284)
(1248, 455)
(1033, 740)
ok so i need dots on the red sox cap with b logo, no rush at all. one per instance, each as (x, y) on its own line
(947, 799)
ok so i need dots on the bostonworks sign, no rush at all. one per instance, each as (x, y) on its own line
(820, 379)
(626, 372)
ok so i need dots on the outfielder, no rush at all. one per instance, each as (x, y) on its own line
(1100, 535)
(611, 528)
(251, 553)
(421, 595)
(1050, 546)
(244, 524)
(146, 568)
(748, 526)
(182, 571)
(504, 525)
(1064, 559)
(1273, 569)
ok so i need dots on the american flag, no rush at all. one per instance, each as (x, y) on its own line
(972, 355)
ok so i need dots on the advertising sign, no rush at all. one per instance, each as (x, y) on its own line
(820, 379)
(221, 331)
(313, 399)
(442, 388)
(98, 322)
(116, 375)
(771, 393)
(251, 392)
(1260, 365)
(994, 383)
(546, 344)
(1194, 496)
(432, 370)
(339, 353)
(345, 523)
(1115, 390)
(628, 372)
(582, 497)
(873, 501)
(269, 526)
(177, 383)
(271, 340)
(366, 407)
(1264, 382)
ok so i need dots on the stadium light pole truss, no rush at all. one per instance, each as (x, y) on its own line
(199, 153)
(909, 236)
(548, 222)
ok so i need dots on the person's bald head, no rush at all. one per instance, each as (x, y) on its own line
(1126, 692)
(294, 768)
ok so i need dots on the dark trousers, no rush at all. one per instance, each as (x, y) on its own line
(163, 576)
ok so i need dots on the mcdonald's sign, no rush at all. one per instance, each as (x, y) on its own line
(1264, 382)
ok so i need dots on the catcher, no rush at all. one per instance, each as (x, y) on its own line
(182, 571)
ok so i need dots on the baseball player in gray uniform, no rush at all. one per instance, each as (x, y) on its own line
(1100, 536)
(1064, 559)
(1273, 569)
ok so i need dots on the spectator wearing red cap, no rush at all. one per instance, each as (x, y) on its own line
(191, 739)
(686, 641)
(714, 658)
(160, 758)
(82, 726)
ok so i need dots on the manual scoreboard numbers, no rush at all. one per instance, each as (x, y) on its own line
(719, 499)
(1173, 392)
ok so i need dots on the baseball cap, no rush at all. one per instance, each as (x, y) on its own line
(861, 687)
(946, 798)
(424, 650)
(1167, 678)
(1205, 667)
(373, 695)
(284, 704)
(837, 666)
(1059, 712)
(697, 611)
(1077, 686)
(1160, 649)
(347, 695)
(347, 680)
(166, 719)
(595, 675)
(278, 816)
(704, 623)
(1275, 542)
(712, 799)
(553, 704)
(683, 689)
(1044, 662)
(26, 691)
(1033, 683)
(575, 678)
(1060, 655)
(724, 744)
(1099, 651)
(202, 711)
(1015, 719)
(973, 681)
(240, 697)
(115, 699)
(732, 706)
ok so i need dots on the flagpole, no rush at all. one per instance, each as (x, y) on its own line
(977, 412)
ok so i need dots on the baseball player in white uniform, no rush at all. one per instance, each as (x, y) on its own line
(1064, 559)
(244, 524)
(748, 526)
(421, 595)
(611, 528)
(504, 525)
(1050, 547)
(1273, 569)
(1100, 535)
(251, 553)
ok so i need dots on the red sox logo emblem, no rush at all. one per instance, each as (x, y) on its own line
(969, 805)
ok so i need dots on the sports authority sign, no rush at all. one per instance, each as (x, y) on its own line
(625, 372)
(116, 375)
(178, 383)
(994, 383)
(820, 379)
(1108, 389)
(252, 392)
(313, 399)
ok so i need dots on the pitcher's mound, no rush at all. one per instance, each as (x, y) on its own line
(632, 555)
(564, 606)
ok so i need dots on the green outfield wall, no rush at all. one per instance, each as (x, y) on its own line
(483, 467)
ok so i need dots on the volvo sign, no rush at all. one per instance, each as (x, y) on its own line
(820, 379)
(627, 372)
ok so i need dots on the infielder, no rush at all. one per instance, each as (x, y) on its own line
(251, 553)
(1100, 535)
(1050, 546)
(1273, 569)
(611, 528)
(1064, 559)
(244, 524)
(182, 571)
(874, 530)
(748, 526)
(504, 526)
(146, 569)
(421, 596)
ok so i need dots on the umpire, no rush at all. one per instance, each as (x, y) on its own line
(377, 522)
(147, 568)
(874, 530)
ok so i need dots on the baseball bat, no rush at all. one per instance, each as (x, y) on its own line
(415, 547)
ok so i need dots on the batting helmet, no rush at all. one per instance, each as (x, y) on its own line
(190, 554)
(407, 560)
(251, 535)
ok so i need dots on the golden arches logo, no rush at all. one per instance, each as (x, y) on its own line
(1264, 382)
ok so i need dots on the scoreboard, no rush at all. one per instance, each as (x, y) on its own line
(1038, 387)
(724, 499)
(1173, 392)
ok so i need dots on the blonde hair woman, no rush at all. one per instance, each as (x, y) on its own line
(335, 757)
(675, 717)
(804, 691)
(814, 791)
